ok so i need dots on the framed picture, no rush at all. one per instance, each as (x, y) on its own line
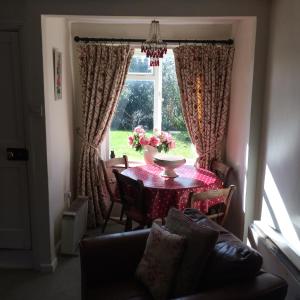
(57, 65)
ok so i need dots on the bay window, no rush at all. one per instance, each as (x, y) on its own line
(150, 98)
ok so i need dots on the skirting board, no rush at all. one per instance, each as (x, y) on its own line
(16, 259)
(48, 268)
(23, 259)
(52, 266)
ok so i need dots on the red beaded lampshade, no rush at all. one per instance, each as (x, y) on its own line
(154, 47)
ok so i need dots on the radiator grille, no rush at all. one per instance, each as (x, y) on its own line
(74, 224)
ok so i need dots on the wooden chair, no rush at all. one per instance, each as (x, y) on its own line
(106, 167)
(132, 197)
(221, 170)
(219, 211)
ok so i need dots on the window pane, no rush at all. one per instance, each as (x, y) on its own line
(172, 117)
(140, 64)
(135, 108)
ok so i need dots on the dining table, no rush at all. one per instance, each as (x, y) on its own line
(162, 193)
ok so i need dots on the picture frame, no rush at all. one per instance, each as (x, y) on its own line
(57, 68)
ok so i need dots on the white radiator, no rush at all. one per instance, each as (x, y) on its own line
(277, 260)
(74, 224)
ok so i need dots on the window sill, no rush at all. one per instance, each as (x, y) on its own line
(136, 163)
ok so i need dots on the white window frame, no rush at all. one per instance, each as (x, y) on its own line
(156, 77)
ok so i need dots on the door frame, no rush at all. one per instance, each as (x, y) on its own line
(19, 258)
(39, 256)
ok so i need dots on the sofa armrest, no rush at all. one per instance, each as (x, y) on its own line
(264, 286)
(111, 257)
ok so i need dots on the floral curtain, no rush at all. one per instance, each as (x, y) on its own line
(103, 70)
(204, 78)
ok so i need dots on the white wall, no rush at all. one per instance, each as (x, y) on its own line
(59, 122)
(238, 134)
(28, 17)
(282, 126)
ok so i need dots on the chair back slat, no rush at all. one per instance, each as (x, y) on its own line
(117, 162)
(220, 169)
(131, 191)
(132, 197)
(106, 175)
(225, 193)
(211, 194)
(106, 168)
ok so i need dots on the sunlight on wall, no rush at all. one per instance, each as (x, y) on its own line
(266, 215)
(279, 212)
(245, 178)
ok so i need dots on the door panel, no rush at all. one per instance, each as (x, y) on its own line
(14, 205)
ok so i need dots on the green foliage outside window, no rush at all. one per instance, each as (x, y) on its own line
(140, 64)
(135, 106)
(136, 101)
(172, 118)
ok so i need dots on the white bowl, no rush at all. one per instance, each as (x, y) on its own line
(169, 163)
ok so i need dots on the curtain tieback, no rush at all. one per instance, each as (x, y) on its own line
(86, 142)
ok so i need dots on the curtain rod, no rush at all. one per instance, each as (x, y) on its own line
(89, 39)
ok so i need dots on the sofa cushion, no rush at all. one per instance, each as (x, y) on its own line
(200, 240)
(231, 259)
(160, 261)
(201, 219)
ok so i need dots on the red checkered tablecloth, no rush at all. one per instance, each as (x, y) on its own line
(162, 193)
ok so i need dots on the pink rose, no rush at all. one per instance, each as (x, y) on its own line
(172, 144)
(168, 137)
(164, 136)
(144, 141)
(130, 140)
(154, 141)
(139, 130)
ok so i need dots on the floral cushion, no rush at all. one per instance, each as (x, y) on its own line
(200, 242)
(161, 259)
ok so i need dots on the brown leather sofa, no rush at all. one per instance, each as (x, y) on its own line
(108, 265)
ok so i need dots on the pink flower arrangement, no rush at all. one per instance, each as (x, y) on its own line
(154, 141)
(143, 140)
(166, 141)
(163, 141)
(130, 140)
